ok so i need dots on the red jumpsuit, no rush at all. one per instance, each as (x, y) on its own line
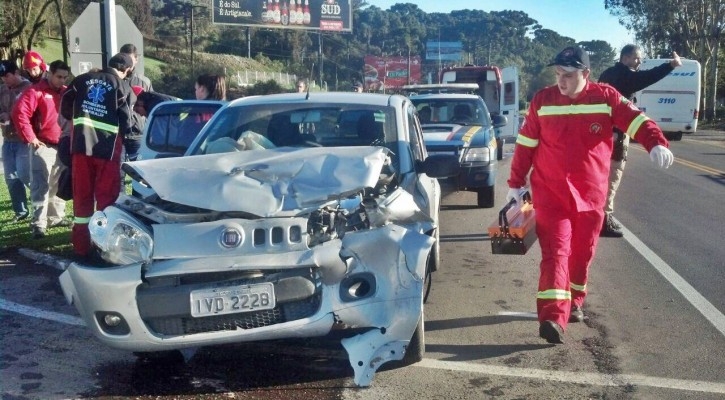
(99, 105)
(568, 142)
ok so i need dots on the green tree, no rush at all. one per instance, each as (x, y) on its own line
(601, 56)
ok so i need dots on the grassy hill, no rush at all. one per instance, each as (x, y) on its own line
(170, 72)
(51, 50)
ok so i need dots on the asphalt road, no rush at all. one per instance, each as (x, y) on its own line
(655, 327)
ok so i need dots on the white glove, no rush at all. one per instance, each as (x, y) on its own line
(517, 194)
(661, 156)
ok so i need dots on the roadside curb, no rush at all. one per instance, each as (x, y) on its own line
(56, 262)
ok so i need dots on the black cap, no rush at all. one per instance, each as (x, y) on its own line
(573, 57)
(7, 67)
(120, 61)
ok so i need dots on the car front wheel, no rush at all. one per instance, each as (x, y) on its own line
(416, 348)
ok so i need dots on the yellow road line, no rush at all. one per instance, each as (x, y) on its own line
(688, 163)
(715, 143)
(700, 167)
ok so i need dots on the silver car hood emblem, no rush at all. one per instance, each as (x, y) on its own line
(262, 182)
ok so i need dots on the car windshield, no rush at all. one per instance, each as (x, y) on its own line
(452, 111)
(298, 125)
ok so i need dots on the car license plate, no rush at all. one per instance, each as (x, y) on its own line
(232, 299)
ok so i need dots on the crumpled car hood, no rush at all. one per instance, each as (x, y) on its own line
(262, 182)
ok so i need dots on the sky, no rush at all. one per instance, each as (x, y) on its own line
(582, 20)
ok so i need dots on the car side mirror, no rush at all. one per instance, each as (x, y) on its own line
(439, 166)
(499, 121)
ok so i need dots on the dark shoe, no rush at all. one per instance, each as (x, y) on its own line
(611, 228)
(577, 314)
(20, 217)
(65, 223)
(37, 233)
(552, 332)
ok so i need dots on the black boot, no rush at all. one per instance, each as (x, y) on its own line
(577, 314)
(552, 332)
(610, 228)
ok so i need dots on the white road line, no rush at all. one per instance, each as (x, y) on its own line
(38, 313)
(712, 314)
(521, 314)
(584, 378)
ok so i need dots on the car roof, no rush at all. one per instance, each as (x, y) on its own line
(342, 98)
(445, 96)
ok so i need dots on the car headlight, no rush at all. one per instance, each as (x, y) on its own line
(476, 154)
(121, 238)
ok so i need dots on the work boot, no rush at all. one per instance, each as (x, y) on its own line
(577, 314)
(552, 332)
(64, 223)
(37, 232)
(20, 217)
(611, 228)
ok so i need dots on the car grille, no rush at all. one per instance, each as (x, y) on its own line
(284, 312)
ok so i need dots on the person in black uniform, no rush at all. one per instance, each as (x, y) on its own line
(626, 77)
(99, 105)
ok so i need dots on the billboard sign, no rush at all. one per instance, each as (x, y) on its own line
(390, 72)
(443, 51)
(323, 15)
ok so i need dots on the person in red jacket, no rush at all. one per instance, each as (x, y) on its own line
(566, 139)
(34, 66)
(99, 104)
(35, 116)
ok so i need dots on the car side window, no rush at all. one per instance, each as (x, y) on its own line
(416, 138)
(172, 129)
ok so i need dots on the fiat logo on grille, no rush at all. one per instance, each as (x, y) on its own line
(230, 238)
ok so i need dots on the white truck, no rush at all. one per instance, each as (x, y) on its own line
(673, 102)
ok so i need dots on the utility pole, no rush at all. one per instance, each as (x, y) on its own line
(439, 56)
(191, 40)
(322, 81)
(408, 65)
(108, 31)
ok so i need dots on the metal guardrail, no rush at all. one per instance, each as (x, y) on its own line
(249, 78)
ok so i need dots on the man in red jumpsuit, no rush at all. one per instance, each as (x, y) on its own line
(99, 104)
(566, 138)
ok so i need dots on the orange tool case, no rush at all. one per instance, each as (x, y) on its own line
(515, 230)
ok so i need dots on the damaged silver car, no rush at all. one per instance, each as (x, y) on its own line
(289, 216)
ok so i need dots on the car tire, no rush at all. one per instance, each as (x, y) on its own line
(486, 196)
(499, 148)
(416, 348)
(427, 283)
(434, 259)
(674, 136)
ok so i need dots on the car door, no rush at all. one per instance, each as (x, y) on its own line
(428, 188)
(173, 126)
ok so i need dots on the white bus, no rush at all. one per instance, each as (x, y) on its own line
(674, 101)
